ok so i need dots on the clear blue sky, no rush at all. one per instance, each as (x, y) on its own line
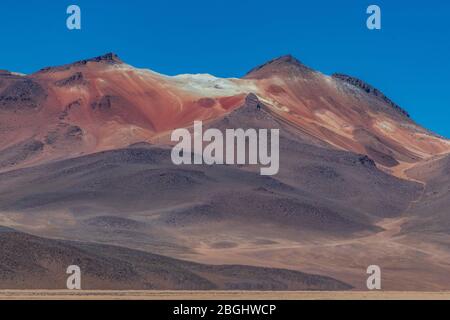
(409, 59)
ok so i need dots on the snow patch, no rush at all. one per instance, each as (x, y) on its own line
(209, 85)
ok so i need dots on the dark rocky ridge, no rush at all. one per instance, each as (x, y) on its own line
(107, 59)
(75, 79)
(370, 90)
(4, 72)
(110, 58)
(22, 94)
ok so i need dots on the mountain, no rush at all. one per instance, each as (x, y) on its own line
(85, 157)
(63, 106)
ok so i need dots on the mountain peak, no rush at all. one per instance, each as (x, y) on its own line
(288, 58)
(108, 59)
(284, 65)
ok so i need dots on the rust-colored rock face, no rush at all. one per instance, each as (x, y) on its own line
(85, 156)
(113, 105)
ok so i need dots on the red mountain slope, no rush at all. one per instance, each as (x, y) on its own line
(103, 103)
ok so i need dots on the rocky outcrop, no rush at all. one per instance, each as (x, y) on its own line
(366, 161)
(75, 79)
(108, 59)
(104, 103)
(21, 95)
(370, 90)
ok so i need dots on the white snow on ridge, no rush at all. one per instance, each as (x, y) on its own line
(200, 84)
(210, 85)
(18, 74)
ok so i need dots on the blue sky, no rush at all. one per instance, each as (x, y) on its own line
(409, 59)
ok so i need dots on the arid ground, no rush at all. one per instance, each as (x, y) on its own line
(219, 295)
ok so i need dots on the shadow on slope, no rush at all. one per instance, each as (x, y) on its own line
(30, 262)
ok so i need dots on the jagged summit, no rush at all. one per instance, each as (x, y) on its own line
(370, 90)
(108, 59)
(284, 65)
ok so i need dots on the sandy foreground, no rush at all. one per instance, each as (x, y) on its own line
(216, 295)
